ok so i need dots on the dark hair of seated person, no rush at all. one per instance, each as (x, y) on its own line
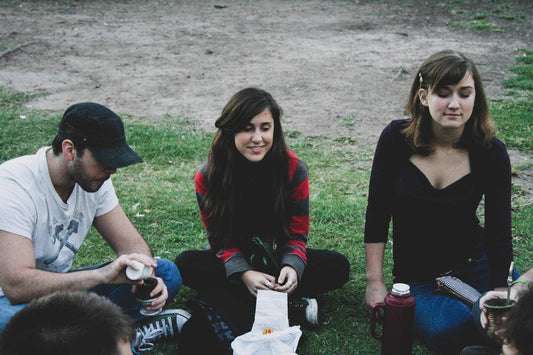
(519, 325)
(66, 323)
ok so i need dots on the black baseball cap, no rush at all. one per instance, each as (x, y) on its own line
(103, 132)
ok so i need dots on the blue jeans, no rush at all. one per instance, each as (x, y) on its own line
(118, 294)
(443, 323)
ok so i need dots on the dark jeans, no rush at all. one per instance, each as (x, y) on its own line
(201, 270)
(444, 323)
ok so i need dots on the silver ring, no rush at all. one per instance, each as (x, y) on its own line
(268, 284)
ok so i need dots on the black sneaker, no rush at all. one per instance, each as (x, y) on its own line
(304, 310)
(165, 325)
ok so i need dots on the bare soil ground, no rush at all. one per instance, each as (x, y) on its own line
(340, 68)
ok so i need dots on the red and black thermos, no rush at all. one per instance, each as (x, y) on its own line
(398, 321)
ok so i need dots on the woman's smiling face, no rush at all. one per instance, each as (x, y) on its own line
(255, 140)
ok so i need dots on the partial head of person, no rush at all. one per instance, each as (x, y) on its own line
(66, 323)
(518, 331)
(92, 138)
(453, 82)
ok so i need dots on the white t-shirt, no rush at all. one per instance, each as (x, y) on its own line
(31, 207)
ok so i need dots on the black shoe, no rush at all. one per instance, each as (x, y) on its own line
(165, 325)
(304, 311)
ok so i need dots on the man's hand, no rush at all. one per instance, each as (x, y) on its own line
(115, 272)
(161, 300)
(489, 295)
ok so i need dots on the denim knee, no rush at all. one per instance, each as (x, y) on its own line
(450, 338)
(443, 323)
(7, 310)
(170, 274)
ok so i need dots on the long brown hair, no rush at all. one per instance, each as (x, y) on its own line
(444, 68)
(220, 199)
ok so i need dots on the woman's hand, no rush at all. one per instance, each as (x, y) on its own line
(255, 280)
(375, 293)
(287, 280)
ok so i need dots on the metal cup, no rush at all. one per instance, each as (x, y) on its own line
(497, 309)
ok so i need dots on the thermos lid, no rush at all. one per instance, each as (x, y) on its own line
(400, 289)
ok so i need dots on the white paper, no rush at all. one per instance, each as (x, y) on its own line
(271, 311)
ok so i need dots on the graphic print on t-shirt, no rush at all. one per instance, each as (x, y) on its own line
(61, 235)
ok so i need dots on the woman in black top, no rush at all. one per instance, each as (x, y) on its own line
(429, 174)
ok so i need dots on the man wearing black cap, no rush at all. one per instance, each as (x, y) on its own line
(48, 203)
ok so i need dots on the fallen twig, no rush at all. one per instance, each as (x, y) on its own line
(14, 49)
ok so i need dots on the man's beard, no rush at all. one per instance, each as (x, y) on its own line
(80, 176)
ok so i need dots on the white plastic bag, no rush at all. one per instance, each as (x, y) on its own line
(279, 342)
(270, 334)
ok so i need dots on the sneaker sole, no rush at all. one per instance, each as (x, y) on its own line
(311, 311)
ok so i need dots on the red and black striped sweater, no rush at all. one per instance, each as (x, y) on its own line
(257, 200)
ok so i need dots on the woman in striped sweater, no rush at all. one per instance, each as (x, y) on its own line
(253, 194)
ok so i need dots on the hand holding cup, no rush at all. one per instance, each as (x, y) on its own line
(142, 293)
(497, 310)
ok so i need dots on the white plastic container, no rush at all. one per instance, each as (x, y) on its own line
(139, 272)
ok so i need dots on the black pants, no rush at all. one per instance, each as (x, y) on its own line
(325, 271)
(201, 270)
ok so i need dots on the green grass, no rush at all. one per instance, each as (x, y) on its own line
(514, 123)
(523, 80)
(465, 16)
(514, 114)
(158, 196)
(346, 121)
(473, 25)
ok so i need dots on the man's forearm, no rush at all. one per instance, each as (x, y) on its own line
(524, 284)
(35, 283)
(135, 245)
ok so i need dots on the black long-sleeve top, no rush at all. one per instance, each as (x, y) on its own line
(436, 230)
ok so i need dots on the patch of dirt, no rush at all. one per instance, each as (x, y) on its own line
(341, 68)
